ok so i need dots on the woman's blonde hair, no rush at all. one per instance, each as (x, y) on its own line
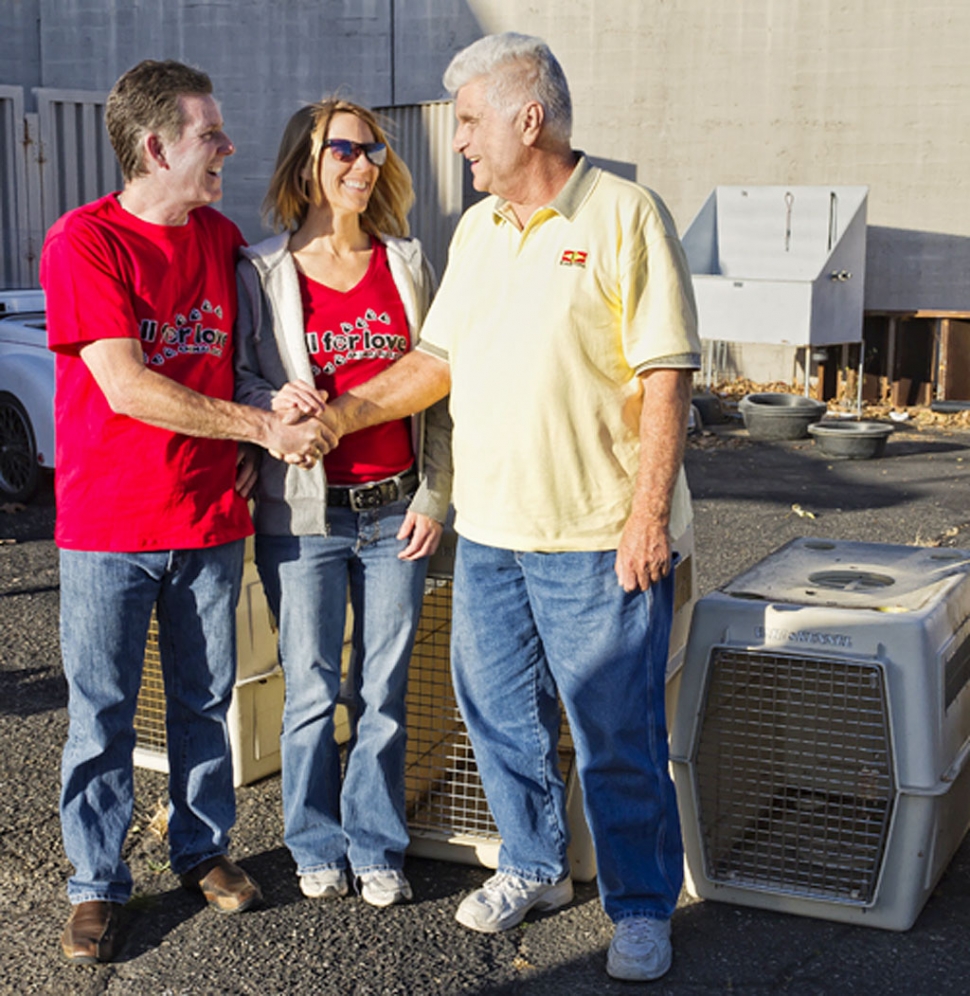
(290, 194)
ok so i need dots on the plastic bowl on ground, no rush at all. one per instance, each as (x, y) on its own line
(851, 440)
(780, 416)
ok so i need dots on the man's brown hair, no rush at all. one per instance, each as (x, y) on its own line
(146, 100)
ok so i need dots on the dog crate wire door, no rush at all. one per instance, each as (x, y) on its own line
(794, 774)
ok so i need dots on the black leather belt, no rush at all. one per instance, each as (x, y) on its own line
(375, 494)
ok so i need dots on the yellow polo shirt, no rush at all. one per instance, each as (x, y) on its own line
(545, 331)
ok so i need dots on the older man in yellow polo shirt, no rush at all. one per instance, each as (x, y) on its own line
(565, 330)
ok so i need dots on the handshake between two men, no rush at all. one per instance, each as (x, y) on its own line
(300, 404)
(412, 384)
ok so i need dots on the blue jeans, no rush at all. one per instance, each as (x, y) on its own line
(525, 627)
(306, 579)
(106, 605)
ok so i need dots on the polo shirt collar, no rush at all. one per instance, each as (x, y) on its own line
(568, 201)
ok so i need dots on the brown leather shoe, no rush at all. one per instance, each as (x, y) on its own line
(91, 932)
(226, 887)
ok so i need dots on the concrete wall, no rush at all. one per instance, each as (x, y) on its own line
(705, 92)
(688, 93)
(20, 43)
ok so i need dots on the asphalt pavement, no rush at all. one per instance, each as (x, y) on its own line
(750, 497)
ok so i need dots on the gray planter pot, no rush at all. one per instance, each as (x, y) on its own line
(780, 416)
(851, 440)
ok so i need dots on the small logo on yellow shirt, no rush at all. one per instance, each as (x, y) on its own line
(573, 257)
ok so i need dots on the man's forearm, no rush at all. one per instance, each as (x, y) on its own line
(663, 431)
(134, 390)
(643, 555)
(162, 402)
(413, 383)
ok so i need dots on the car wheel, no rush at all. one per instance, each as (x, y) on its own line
(19, 470)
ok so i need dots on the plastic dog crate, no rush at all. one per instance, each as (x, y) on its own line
(823, 728)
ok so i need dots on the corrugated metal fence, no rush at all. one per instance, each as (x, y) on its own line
(421, 134)
(15, 234)
(53, 160)
(60, 157)
(79, 164)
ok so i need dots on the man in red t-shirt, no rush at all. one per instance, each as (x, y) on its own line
(141, 300)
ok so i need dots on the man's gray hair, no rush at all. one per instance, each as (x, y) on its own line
(520, 68)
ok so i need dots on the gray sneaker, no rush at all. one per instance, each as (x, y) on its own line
(504, 900)
(640, 950)
(384, 887)
(328, 883)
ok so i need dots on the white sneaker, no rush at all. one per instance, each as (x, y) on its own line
(504, 900)
(384, 887)
(640, 950)
(328, 883)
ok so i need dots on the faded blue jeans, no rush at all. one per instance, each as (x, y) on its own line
(529, 626)
(361, 822)
(106, 605)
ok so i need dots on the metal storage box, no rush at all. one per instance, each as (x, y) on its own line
(822, 732)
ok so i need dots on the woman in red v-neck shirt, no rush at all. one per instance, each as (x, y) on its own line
(334, 299)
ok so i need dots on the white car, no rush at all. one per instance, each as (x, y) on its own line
(26, 395)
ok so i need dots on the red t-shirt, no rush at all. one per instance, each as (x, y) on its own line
(123, 485)
(352, 336)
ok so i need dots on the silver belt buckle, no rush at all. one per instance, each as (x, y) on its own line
(360, 497)
(357, 503)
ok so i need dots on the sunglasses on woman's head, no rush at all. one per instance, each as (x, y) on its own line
(345, 151)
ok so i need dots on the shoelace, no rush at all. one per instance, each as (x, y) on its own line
(503, 883)
(639, 931)
(387, 878)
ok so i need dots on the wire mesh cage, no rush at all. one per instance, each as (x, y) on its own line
(448, 814)
(256, 710)
(150, 711)
(444, 791)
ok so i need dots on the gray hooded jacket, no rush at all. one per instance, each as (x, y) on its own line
(271, 350)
